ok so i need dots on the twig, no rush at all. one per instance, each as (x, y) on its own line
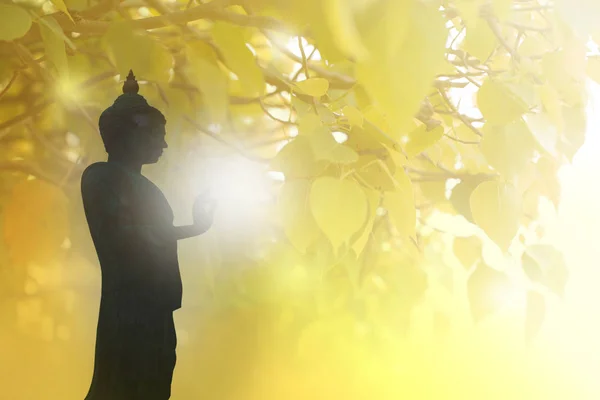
(9, 84)
(463, 119)
(304, 64)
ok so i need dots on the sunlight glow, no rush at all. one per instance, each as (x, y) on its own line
(241, 188)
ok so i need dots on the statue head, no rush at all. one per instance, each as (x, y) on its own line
(131, 129)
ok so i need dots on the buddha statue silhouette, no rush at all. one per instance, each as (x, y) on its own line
(131, 225)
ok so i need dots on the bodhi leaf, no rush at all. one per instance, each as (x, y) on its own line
(487, 290)
(508, 148)
(14, 22)
(238, 58)
(399, 95)
(323, 144)
(480, 41)
(498, 104)
(460, 198)
(544, 132)
(209, 78)
(298, 222)
(315, 87)
(401, 204)
(467, 250)
(422, 138)
(35, 222)
(535, 314)
(55, 45)
(375, 173)
(495, 208)
(374, 198)
(339, 206)
(354, 116)
(296, 159)
(132, 50)
(546, 265)
(61, 6)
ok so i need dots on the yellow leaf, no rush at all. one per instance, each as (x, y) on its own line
(421, 139)
(375, 174)
(14, 22)
(401, 204)
(137, 51)
(544, 131)
(55, 46)
(61, 6)
(552, 104)
(298, 222)
(508, 148)
(323, 144)
(340, 18)
(342, 154)
(469, 11)
(373, 197)
(35, 222)
(498, 104)
(399, 95)
(354, 115)
(502, 8)
(488, 291)
(339, 206)
(205, 73)
(315, 87)
(296, 159)
(467, 250)
(496, 208)
(480, 41)
(593, 68)
(238, 58)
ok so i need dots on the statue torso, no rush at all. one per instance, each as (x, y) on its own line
(123, 208)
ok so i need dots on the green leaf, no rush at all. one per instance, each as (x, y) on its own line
(498, 104)
(339, 206)
(546, 265)
(488, 290)
(298, 222)
(496, 209)
(315, 87)
(14, 22)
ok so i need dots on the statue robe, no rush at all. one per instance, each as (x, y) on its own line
(129, 220)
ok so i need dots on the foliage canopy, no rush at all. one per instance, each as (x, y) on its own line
(381, 115)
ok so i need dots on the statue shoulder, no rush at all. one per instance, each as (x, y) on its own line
(99, 174)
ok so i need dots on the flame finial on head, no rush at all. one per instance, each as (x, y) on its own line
(130, 85)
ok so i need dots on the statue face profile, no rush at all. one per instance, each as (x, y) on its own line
(150, 137)
(145, 143)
